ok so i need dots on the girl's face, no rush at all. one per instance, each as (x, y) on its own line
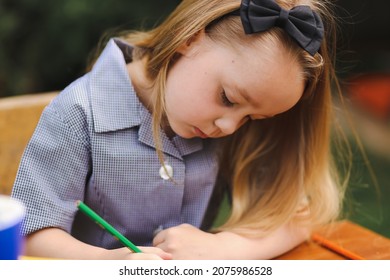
(212, 90)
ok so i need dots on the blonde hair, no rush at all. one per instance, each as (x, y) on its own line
(273, 165)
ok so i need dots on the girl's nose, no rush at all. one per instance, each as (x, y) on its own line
(228, 125)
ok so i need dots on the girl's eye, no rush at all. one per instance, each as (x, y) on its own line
(225, 100)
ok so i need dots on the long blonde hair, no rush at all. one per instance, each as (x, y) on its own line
(275, 164)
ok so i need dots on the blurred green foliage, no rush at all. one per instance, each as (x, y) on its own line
(44, 45)
(367, 196)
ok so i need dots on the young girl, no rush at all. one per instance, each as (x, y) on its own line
(238, 89)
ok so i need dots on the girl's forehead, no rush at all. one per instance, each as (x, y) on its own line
(269, 78)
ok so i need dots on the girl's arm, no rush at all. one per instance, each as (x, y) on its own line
(188, 242)
(56, 243)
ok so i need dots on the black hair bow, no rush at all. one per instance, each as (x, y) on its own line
(301, 22)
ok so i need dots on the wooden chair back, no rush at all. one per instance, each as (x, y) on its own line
(19, 116)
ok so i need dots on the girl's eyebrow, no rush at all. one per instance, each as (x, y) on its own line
(261, 117)
(244, 94)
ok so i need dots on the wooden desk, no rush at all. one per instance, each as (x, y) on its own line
(354, 239)
(351, 237)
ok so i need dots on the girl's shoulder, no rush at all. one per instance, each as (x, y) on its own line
(104, 97)
(73, 98)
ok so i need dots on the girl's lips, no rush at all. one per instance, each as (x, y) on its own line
(200, 133)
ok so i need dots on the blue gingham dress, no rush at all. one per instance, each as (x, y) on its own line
(94, 143)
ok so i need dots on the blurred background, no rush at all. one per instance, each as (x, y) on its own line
(45, 45)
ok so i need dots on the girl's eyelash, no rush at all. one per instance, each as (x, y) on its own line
(226, 100)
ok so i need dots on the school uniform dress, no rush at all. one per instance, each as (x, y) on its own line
(94, 143)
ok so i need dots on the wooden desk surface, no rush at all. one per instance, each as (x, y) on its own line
(351, 239)
(347, 237)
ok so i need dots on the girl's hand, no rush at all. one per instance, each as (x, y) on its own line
(187, 242)
(148, 253)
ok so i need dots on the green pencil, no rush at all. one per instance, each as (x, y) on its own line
(99, 220)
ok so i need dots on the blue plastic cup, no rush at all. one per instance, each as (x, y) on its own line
(12, 213)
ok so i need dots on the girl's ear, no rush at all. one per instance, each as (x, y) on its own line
(192, 43)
